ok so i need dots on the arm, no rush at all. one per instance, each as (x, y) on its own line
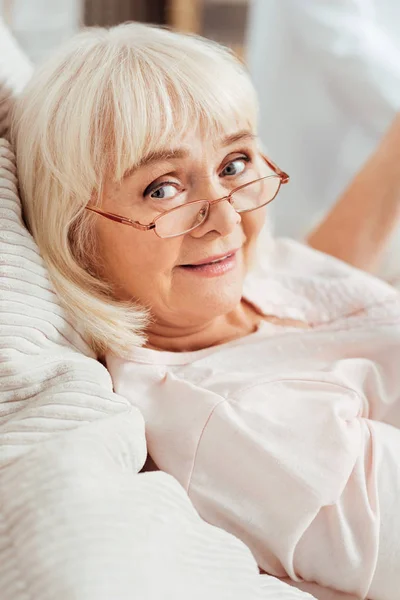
(361, 67)
(311, 485)
(359, 226)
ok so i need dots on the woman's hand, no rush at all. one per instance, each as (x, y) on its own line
(359, 226)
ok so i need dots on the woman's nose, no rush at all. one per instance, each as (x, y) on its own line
(222, 218)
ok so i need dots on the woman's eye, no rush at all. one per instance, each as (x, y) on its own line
(162, 192)
(235, 167)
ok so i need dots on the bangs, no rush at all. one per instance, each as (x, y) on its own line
(170, 110)
(153, 100)
(115, 96)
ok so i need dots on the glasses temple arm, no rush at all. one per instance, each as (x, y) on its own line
(284, 176)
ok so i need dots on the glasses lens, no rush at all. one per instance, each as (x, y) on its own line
(181, 219)
(256, 194)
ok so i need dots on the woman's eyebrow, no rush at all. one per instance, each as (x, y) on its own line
(168, 154)
(156, 156)
(237, 137)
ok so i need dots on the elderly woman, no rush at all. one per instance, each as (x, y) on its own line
(268, 374)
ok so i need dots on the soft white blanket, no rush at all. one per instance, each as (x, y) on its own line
(77, 521)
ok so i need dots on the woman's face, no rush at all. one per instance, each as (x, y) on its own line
(164, 275)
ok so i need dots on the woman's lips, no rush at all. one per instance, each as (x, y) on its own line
(215, 267)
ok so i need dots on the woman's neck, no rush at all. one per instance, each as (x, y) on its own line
(240, 322)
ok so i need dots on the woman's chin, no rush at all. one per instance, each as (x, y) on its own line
(208, 302)
(211, 294)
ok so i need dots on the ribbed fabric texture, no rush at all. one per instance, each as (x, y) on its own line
(77, 521)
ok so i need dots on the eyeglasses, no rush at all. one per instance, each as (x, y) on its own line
(186, 217)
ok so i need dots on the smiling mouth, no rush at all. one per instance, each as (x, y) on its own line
(216, 266)
(211, 260)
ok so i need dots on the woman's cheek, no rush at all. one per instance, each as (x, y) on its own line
(252, 224)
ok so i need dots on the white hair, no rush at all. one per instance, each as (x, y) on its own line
(91, 113)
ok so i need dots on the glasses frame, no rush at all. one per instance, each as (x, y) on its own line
(284, 178)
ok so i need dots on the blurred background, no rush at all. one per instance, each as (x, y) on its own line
(327, 73)
(40, 25)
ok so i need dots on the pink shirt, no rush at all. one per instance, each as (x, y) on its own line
(288, 438)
